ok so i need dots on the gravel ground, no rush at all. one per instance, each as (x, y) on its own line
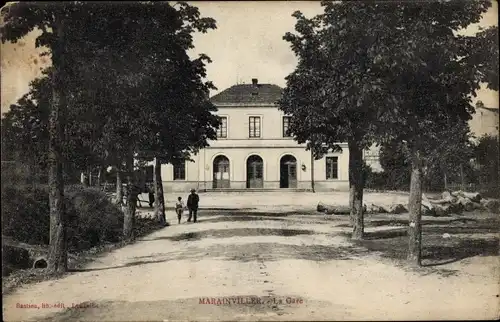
(273, 267)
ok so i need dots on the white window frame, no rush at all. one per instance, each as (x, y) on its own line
(227, 127)
(283, 134)
(185, 172)
(260, 128)
(326, 167)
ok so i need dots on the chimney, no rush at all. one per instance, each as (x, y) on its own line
(255, 81)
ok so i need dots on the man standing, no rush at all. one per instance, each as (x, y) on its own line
(192, 204)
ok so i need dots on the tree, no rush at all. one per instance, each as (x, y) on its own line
(371, 72)
(429, 74)
(334, 93)
(443, 159)
(486, 154)
(19, 19)
(183, 123)
(152, 93)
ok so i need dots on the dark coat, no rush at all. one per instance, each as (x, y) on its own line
(193, 200)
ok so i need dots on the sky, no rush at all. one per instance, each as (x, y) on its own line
(246, 44)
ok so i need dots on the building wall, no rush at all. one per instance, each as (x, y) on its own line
(238, 122)
(199, 174)
(484, 121)
(372, 158)
(271, 146)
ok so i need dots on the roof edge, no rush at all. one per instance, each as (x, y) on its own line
(245, 104)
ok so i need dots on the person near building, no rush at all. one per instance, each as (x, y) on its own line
(192, 204)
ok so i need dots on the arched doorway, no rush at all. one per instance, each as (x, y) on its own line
(288, 171)
(255, 172)
(221, 172)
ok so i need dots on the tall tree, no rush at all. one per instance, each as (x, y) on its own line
(110, 40)
(334, 92)
(373, 72)
(19, 19)
(141, 87)
(429, 74)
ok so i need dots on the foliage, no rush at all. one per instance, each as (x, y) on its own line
(123, 94)
(488, 158)
(26, 124)
(111, 93)
(92, 218)
(395, 162)
(25, 214)
(453, 151)
(390, 81)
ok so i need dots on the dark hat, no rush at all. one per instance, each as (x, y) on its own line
(193, 190)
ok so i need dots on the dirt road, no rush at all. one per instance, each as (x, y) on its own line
(236, 266)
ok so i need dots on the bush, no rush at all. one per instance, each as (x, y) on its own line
(92, 218)
(25, 214)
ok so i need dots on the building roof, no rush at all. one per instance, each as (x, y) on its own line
(249, 93)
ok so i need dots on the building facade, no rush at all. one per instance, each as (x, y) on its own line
(484, 121)
(254, 151)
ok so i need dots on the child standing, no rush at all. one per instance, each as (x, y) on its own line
(179, 208)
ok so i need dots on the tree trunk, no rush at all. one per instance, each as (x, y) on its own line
(99, 176)
(85, 178)
(131, 201)
(89, 175)
(58, 257)
(119, 190)
(312, 170)
(351, 199)
(356, 190)
(414, 208)
(159, 197)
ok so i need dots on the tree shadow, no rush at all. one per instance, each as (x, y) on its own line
(378, 235)
(236, 232)
(384, 234)
(247, 253)
(436, 255)
(404, 222)
(240, 218)
(436, 250)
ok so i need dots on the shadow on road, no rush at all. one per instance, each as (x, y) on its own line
(237, 232)
(404, 222)
(450, 252)
(247, 253)
(240, 218)
(436, 250)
